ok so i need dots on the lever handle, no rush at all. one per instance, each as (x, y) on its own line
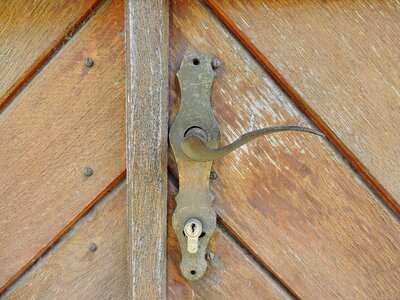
(194, 142)
(194, 136)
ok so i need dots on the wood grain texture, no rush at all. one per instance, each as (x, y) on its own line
(290, 197)
(231, 274)
(71, 271)
(147, 129)
(69, 117)
(339, 62)
(30, 32)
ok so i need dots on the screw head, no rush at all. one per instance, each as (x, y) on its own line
(89, 62)
(92, 247)
(213, 175)
(209, 255)
(88, 171)
(216, 63)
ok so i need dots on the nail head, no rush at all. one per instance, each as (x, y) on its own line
(216, 63)
(213, 175)
(88, 171)
(89, 62)
(210, 255)
(92, 247)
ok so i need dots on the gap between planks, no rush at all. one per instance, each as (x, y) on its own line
(47, 55)
(302, 104)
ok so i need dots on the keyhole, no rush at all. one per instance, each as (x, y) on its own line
(192, 228)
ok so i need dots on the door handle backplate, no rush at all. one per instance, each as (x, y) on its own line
(194, 200)
(195, 137)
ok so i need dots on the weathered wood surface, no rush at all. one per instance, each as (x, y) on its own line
(69, 117)
(71, 271)
(340, 62)
(30, 32)
(147, 130)
(290, 198)
(231, 274)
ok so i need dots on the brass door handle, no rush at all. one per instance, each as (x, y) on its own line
(195, 147)
(194, 137)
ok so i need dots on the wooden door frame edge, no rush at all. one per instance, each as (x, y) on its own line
(147, 36)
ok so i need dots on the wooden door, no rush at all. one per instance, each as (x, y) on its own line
(297, 216)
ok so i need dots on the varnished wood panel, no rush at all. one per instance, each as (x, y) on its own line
(339, 60)
(290, 197)
(30, 32)
(71, 271)
(68, 118)
(147, 130)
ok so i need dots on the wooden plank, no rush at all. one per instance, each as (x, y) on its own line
(69, 117)
(339, 64)
(71, 271)
(147, 129)
(30, 33)
(290, 198)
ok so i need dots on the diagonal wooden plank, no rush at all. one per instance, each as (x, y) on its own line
(69, 117)
(339, 64)
(72, 271)
(30, 33)
(290, 198)
(147, 127)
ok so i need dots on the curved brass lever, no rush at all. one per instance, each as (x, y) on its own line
(194, 142)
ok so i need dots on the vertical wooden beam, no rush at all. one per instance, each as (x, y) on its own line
(147, 111)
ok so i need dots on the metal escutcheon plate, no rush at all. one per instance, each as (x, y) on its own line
(194, 200)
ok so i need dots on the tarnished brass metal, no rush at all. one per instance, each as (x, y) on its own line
(194, 146)
(194, 200)
(194, 137)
